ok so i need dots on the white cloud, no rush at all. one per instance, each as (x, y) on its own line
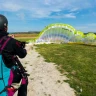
(94, 13)
(92, 24)
(70, 15)
(74, 9)
(47, 2)
(44, 8)
(87, 27)
(21, 16)
(9, 6)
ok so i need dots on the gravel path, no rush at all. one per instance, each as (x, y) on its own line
(44, 79)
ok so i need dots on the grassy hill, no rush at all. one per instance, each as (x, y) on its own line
(78, 62)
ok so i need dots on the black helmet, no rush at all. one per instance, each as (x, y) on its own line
(3, 22)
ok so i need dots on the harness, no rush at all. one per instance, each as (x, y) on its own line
(3, 41)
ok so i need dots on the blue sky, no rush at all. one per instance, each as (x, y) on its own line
(34, 15)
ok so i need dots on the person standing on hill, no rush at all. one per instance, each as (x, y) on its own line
(10, 47)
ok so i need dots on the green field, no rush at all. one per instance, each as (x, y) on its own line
(77, 61)
(25, 36)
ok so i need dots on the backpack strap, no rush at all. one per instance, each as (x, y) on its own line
(3, 41)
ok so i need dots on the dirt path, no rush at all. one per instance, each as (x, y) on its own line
(44, 79)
